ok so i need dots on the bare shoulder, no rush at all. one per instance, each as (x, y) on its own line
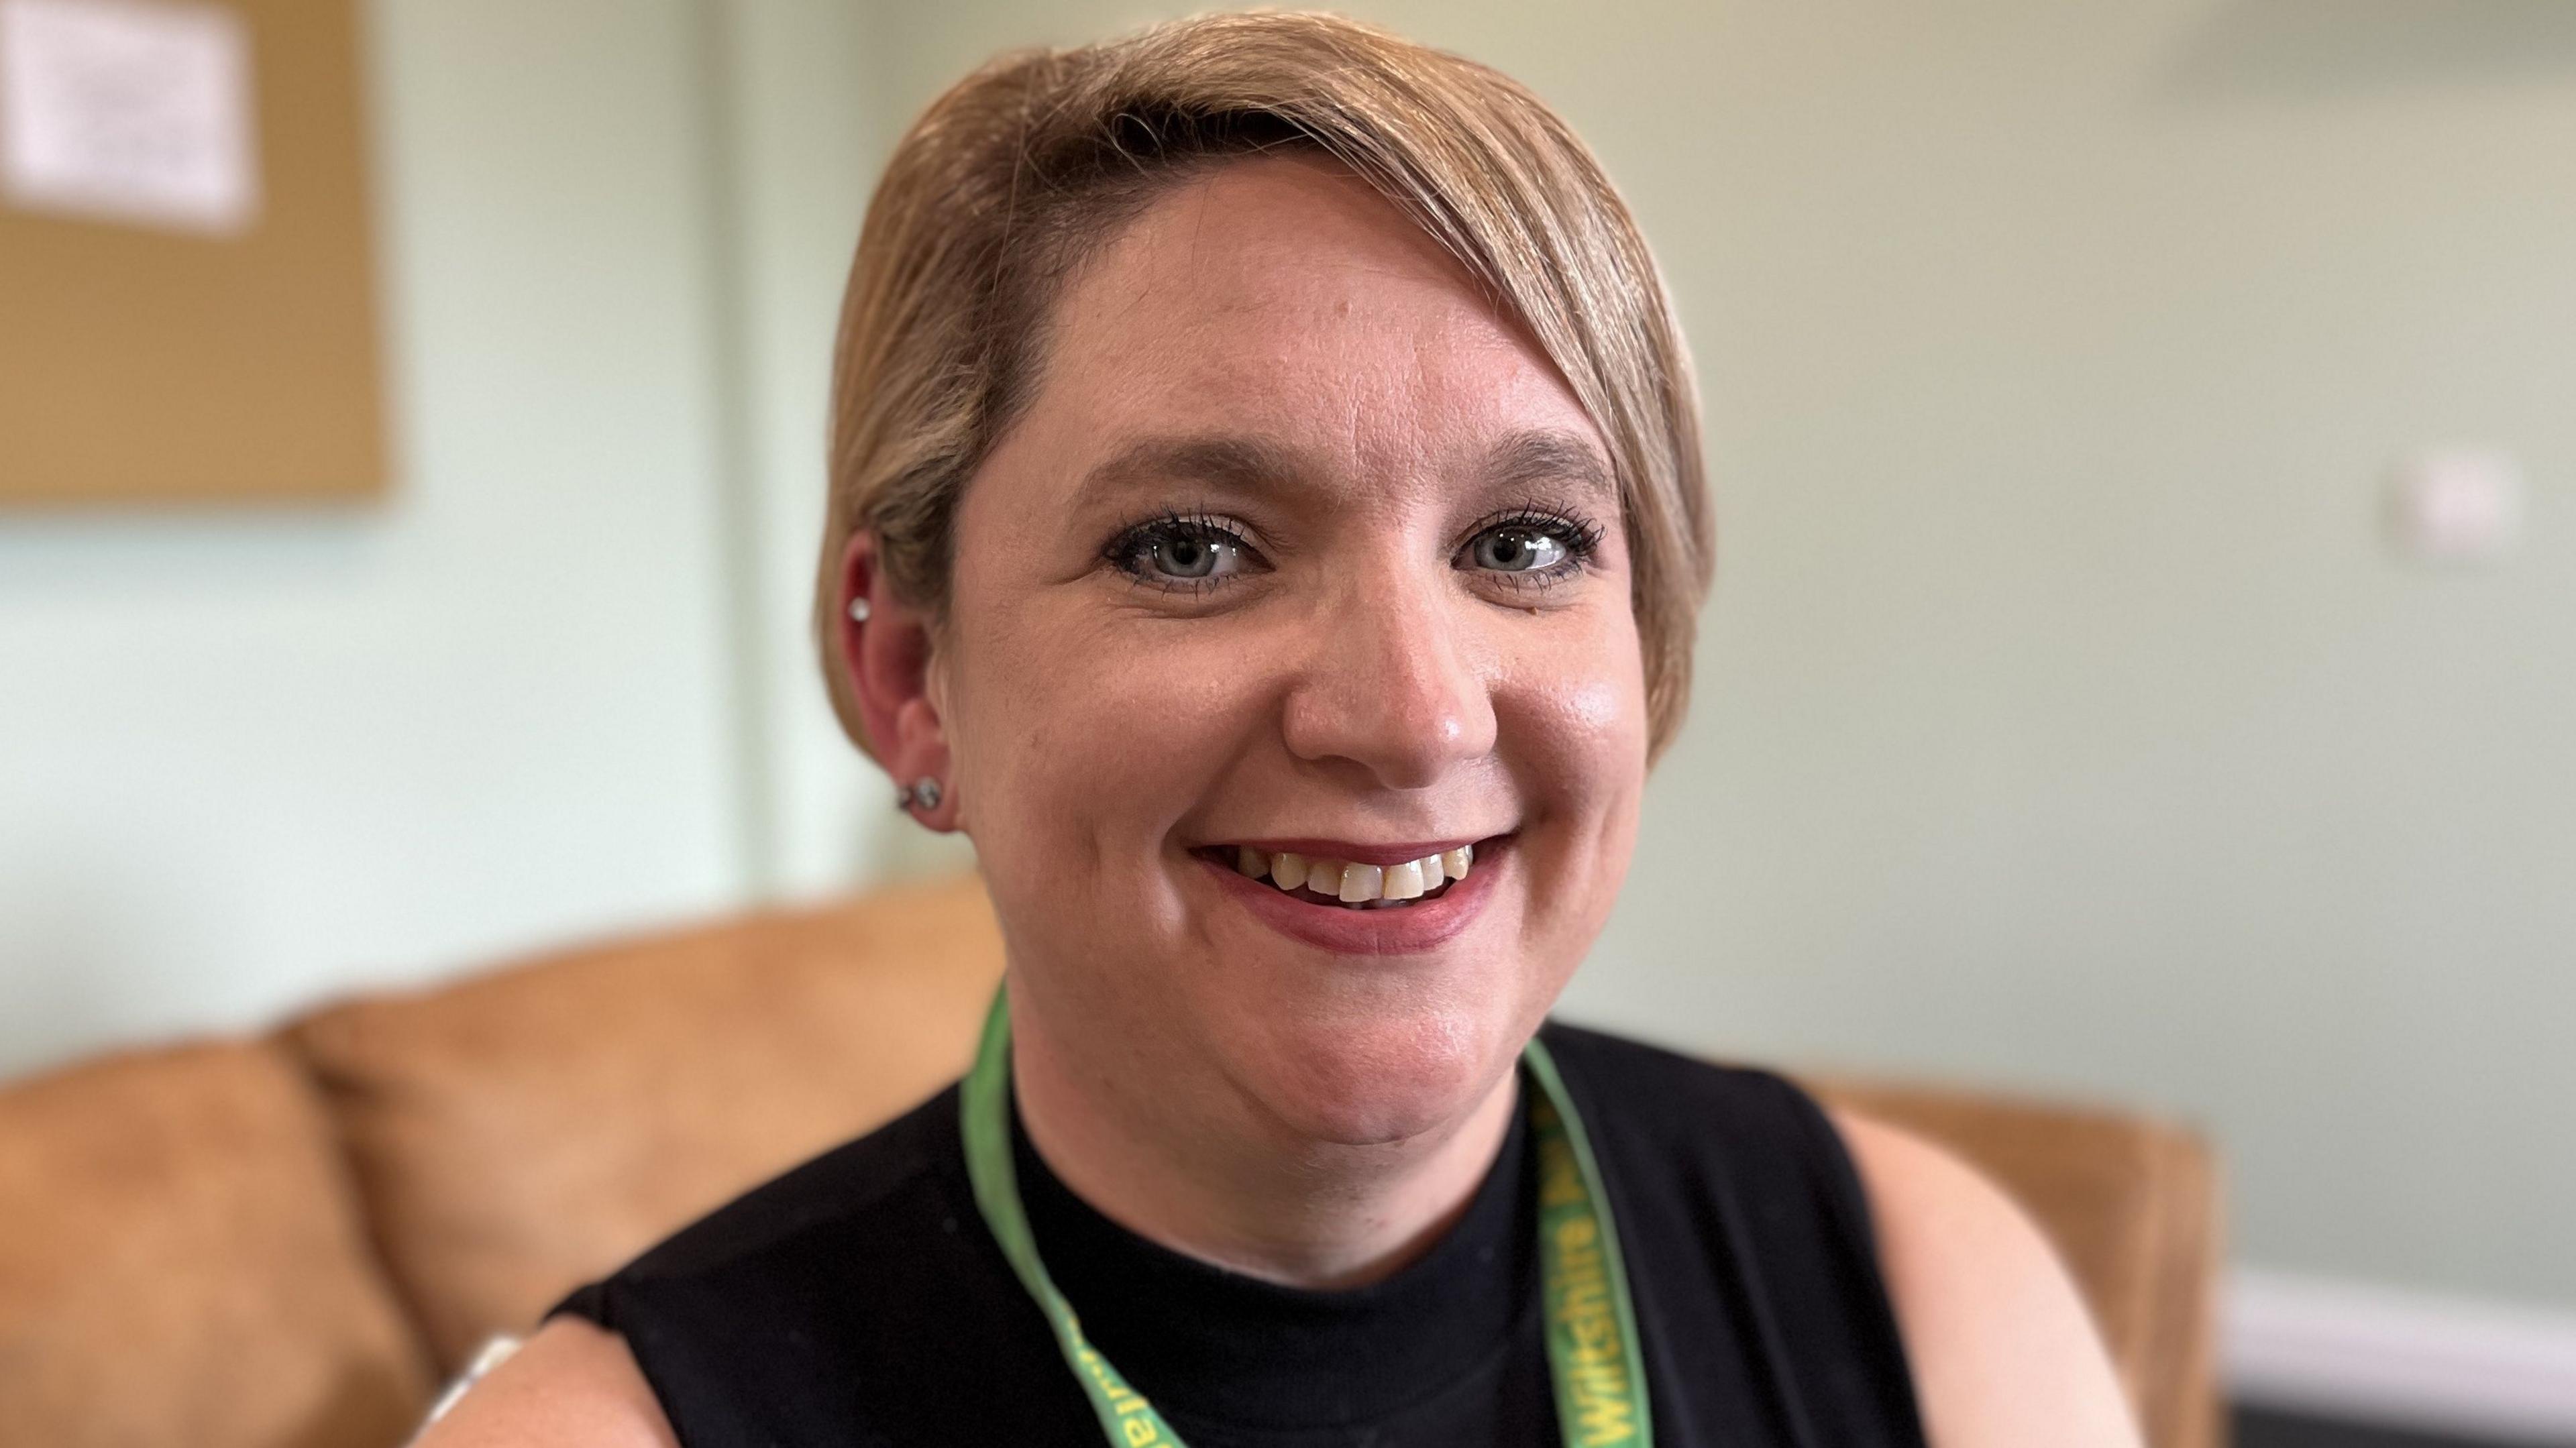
(2002, 1349)
(572, 1384)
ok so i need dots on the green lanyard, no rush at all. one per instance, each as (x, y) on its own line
(1591, 1330)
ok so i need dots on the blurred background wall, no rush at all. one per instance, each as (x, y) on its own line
(2066, 718)
(246, 757)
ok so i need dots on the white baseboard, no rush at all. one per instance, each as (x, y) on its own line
(2404, 1359)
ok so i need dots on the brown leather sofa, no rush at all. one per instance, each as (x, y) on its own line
(287, 1242)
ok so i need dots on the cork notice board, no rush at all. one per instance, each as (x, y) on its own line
(187, 290)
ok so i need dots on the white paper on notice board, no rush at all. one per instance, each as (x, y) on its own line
(134, 111)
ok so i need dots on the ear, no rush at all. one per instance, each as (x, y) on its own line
(887, 658)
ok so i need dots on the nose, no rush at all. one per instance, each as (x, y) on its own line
(1392, 687)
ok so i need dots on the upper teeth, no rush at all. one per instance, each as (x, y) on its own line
(1353, 883)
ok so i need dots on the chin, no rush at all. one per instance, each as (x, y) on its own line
(1379, 1081)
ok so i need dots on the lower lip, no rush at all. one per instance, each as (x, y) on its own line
(1403, 930)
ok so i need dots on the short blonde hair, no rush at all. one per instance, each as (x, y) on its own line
(1036, 160)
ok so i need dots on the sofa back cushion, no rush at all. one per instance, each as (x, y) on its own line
(181, 1263)
(530, 1130)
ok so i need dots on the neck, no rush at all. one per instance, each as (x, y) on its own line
(1235, 1187)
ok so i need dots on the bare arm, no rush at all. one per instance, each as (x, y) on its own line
(572, 1386)
(2004, 1354)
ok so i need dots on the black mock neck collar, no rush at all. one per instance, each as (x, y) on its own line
(1213, 1345)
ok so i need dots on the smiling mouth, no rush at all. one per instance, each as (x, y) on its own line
(1349, 884)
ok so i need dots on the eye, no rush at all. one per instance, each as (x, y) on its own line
(1514, 548)
(1181, 552)
(1191, 556)
(1531, 547)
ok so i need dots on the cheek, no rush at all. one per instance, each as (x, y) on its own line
(1578, 711)
(1071, 735)
(1574, 719)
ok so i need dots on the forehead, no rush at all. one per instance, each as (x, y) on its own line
(1281, 300)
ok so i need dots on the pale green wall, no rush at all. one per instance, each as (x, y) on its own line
(252, 757)
(2063, 719)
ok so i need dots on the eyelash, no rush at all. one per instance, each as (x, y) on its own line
(1578, 535)
(1126, 551)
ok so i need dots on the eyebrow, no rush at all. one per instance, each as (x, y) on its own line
(1239, 464)
(1551, 455)
(1251, 464)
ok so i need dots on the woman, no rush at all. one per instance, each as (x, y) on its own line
(1267, 517)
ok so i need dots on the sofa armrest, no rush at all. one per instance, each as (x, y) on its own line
(182, 1263)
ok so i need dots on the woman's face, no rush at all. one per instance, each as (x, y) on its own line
(1299, 548)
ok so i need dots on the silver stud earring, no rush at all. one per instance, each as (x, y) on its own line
(858, 610)
(922, 793)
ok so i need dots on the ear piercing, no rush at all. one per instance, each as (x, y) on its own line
(923, 793)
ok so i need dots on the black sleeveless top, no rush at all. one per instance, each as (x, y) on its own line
(858, 1300)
